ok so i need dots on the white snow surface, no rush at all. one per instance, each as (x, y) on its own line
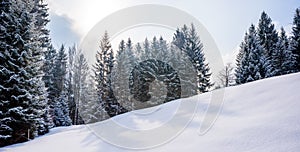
(262, 116)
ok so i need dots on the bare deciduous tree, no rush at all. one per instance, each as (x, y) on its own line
(226, 76)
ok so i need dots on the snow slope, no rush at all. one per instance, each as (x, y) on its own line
(262, 116)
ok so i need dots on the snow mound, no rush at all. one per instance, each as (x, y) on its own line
(261, 116)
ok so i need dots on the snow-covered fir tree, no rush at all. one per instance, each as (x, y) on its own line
(60, 102)
(138, 51)
(268, 38)
(187, 40)
(125, 60)
(61, 111)
(23, 108)
(42, 44)
(163, 50)
(251, 63)
(295, 39)
(283, 59)
(103, 70)
(49, 79)
(146, 48)
(154, 48)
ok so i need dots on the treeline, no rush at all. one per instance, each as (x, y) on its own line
(125, 77)
(42, 87)
(264, 53)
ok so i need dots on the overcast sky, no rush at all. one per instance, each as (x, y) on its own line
(226, 20)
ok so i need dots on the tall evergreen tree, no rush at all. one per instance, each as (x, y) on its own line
(138, 51)
(60, 103)
(268, 38)
(154, 48)
(23, 95)
(49, 79)
(243, 51)
(295, 38)
(103, 71)
(189, 42)
(284, 61)
(146, 48)
(252, 63)
(120, 75)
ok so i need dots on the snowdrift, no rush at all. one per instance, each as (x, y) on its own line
(262, 116)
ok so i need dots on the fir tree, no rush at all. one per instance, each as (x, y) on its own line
(103, 69)
(60, 104)
(154, 48)
(252, 63)
(163, 51)
(23, 108)
(283, 60)
(146, 52)
(49, 79)
(295, 39)
(243, 52)
(268, 38)
(138, 51)
(189, 42)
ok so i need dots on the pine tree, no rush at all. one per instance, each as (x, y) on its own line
(23, 95)
(252, 63)
(146, 52)
(268, 38)
(243, 52)
(283, 60)
(138, 51)
(163, 51)
(295, 39)
(154, 48)
(121, 74)
(103, 71)
(41, 42)
(60, 104)
(189, 42)
(61, 111)
(49, 79)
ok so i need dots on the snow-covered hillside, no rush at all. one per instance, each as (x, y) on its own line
(262, 116)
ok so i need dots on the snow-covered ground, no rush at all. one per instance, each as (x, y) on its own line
(262, 116)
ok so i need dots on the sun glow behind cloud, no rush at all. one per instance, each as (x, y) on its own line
(85, 14)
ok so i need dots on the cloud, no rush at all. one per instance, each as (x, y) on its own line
(61, 31)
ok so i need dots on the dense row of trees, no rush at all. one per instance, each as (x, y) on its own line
(43, 87)
(23, 95)
(38, 84)
(265, 52)
(127, 71)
